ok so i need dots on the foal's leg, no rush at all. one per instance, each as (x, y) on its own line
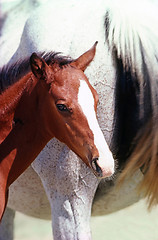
(7, 225)
(70, 187)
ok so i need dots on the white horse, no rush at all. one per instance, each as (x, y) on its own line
(127, 52)
(13, 15)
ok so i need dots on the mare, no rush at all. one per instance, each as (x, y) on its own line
(14, 12)
(124, 72)
(49, 101)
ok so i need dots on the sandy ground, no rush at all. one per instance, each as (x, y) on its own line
(132, 223)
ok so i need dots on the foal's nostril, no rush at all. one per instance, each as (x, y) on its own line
(96, 167)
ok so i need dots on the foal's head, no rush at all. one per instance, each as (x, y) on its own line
(71, 110)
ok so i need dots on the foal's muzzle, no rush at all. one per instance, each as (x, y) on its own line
(101, 171)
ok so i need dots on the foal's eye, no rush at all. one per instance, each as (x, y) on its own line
(62, 108)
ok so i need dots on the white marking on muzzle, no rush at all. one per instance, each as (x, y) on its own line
(105, 159)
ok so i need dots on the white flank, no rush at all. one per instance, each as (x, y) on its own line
(86, 101)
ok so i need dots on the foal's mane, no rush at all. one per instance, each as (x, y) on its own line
(11, 74)
(132, 37)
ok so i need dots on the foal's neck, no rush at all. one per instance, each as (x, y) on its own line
(24, 138)
(9, 100)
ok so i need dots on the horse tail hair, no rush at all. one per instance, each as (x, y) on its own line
(132, 36)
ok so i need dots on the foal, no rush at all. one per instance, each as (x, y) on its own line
(54, 100)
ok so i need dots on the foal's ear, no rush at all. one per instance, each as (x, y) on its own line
(38, 66)
(84, 60)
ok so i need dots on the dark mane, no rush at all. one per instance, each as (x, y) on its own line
(11, 74)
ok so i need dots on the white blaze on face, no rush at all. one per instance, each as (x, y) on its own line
(86, 101)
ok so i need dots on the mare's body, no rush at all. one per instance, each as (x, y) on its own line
(79, 23)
